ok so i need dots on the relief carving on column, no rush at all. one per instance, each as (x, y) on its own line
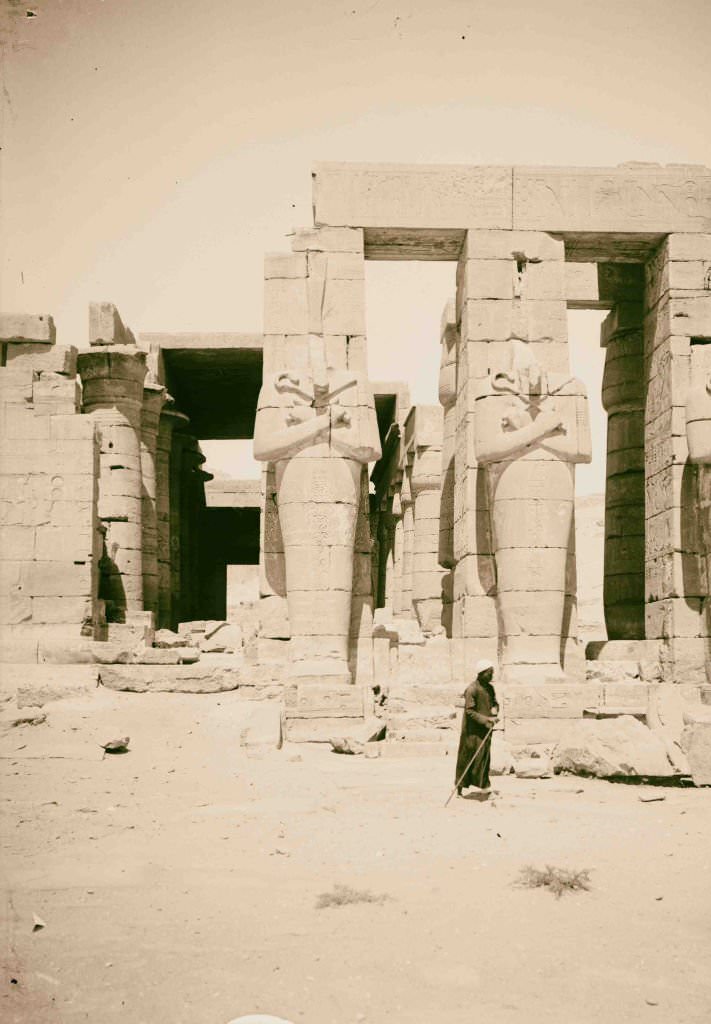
(698, 439)
(531, 428)
(319, 428)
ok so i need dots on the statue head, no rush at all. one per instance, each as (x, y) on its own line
(526, 377)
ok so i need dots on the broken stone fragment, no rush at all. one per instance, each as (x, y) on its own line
(165, 656)
(359, 734)
(612, 748)
(696, 743)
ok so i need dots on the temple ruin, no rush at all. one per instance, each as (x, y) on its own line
(389, 547)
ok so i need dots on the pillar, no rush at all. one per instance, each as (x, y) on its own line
(169, 417)
(623, 399)
(509, 284)
(112, 381)
(153, 399)
(448, 399)
(677, 328)
(423, 432)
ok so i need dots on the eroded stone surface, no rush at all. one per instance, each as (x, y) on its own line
(610, 748)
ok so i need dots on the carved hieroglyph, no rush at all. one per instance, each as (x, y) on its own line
(530, 430)
(319, 428)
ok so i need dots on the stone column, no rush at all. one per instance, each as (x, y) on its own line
(448, 400)
(423, 432)
(112, 380)
(395, 599)
(153, 399)
(623, 399)
(408, 547)
(177, 527)
(169, 417)
(677, 327)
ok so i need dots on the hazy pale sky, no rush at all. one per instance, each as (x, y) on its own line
(154, 151)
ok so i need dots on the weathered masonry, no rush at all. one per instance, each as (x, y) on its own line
(397, 545)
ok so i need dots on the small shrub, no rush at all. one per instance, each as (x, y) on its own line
(558, 880)
(343, 895)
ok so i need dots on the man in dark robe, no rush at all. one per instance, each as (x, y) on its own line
(480, 715)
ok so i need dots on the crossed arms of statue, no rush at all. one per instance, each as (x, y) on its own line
(506, 428)
(280, 433)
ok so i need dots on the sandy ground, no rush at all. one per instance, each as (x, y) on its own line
(178, 883)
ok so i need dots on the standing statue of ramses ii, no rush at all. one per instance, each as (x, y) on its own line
(319, 428)
(531, 427)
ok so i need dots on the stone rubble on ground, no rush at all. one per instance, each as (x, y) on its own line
(612, 748)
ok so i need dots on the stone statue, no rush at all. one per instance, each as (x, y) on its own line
(530, 429)
(319, 428)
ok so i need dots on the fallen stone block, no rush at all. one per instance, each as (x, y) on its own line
(166, 638)
(82, 651)
(611, 748)
(359, 735)
(170, 678)
(696, 744)
(260, 724)
(165, 656)
(502, 762)
(225, 638)
(533, 768)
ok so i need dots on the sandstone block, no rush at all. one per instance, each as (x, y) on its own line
(696, 744)
(555, 700)
(44, 358)
(38, 685)
(285, 306)
(344, 307)
(610, 748)
(53, 610)
(27, 327)
(285, 265)
(260, 724)
(17, 543)
(489, 279)
(274, 618)
(650, 198)
(57, 579)
(328, 239)
(171, 678)
(415, 196)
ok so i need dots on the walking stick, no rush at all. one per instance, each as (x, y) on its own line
(476, 754)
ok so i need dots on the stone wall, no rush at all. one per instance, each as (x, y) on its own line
(50, 537)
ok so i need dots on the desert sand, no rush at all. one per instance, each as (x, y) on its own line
(179, 882)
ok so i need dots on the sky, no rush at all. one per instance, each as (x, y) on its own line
(152, 152)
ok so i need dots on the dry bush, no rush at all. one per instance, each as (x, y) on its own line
(343, 895)
(558, 880)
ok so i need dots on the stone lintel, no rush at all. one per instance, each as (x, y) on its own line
(632, 199)
(33, 328)
(628, 198)
(206, 340)
(412, 196)
(233, 494)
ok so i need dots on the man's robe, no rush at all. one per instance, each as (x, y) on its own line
(479, 702)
